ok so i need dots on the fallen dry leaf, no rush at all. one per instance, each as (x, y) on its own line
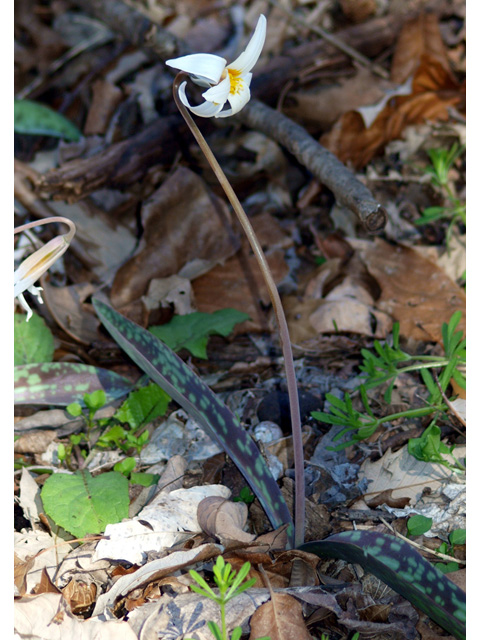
(37, 618)
(222, 519)
(45, 585)
(186, 231)
(420, 56)
(403, 475)
(415, 291)
(20, 571)
(281, 618)
(79, 595)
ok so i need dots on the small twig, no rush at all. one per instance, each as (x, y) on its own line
(443, 556)
(296, 423)
(336, 42)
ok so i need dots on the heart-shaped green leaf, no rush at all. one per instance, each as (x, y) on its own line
(81, 503)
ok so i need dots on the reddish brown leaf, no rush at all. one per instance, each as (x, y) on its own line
(385, 497)
(79, 595)
(183, 222)
(419, 36)
(421, 55)
(415, 291)
(281, 618)
(45, 585)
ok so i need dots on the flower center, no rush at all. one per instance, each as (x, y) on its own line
(236, 81)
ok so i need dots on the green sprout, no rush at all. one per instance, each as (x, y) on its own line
(383, 366)
(229, 585)
(442, 161)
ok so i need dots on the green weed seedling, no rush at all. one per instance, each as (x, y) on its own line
(417, 525)
(364, 425)
(245, 496)
(382, 366)
(442, 161)
(93, 401)
(458, 536)
(430, 448)
(229, 584)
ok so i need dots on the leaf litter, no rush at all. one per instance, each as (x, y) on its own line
(156, 234)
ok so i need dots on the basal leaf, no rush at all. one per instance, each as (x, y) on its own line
(61, 383)
(81, 503)
(404, 570)
(32, 340)
(172, 374)
(191, 331)
(34, 118)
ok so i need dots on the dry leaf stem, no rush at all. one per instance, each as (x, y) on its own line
(277, 307)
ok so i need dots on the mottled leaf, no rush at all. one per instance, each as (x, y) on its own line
(172, 374)
(81, 503)
(61, 383)
(34, 118)
(192, 330)
(404, 570)
(32, 340)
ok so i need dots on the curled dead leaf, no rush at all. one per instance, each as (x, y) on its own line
(79, 595)
(222, 519)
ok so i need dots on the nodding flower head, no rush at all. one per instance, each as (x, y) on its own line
(226, 83)
(39, 262)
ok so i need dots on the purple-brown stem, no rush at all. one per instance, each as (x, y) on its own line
(277, 307)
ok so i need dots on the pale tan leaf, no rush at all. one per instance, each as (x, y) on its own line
(223, 519)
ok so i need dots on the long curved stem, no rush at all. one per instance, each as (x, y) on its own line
(277, 307)
(39, 223)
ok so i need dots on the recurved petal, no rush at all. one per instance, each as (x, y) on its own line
(218, 93)
(205, 110)
(237, 101)
(202, 65)
(248, 59)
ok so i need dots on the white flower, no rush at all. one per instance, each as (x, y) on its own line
(228, 83)
(35, 266)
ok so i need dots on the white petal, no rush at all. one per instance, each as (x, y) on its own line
(30, 270)
(205, 110)
(219, 93)
(248, 59)
(24, 304)
(237, 101)
(202, 65)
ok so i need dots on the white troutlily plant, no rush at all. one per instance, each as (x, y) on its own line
(227, 83)
(33, 267)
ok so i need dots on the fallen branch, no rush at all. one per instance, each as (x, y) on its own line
(325, 166)
(120, 165)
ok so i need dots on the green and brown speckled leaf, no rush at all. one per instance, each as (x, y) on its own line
(404, 570)
(60, 383)
(165, 368)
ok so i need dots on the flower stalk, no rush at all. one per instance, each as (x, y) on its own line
(277, 307)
